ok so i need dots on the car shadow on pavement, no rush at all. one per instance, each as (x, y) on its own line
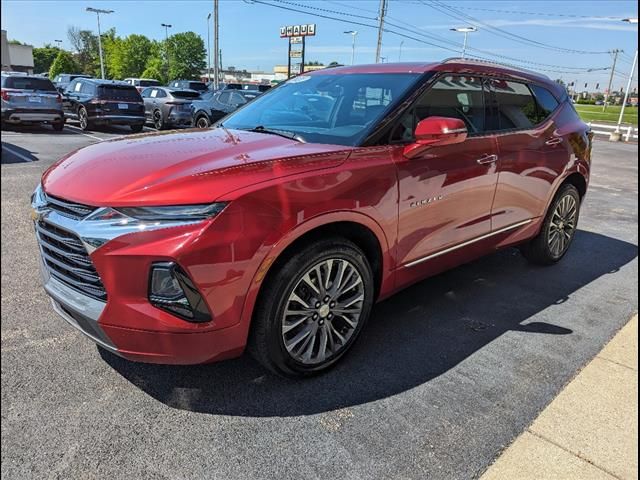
(14, 154)
(411, 338)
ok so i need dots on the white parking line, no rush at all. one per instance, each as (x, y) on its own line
(81, 132)
(17, 154)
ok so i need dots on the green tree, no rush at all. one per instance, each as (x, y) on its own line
(43, 58)
(187, 55)
(156, 68)
(64, 63)
(127, 57)
(85, 43)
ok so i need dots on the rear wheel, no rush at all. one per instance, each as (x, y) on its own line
(558, 229)
(158, 121)
(83, 118)
(202, 122)
(312, 309)
(58, 126)
(136, 127)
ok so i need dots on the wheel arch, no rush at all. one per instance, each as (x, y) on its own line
(356, 227)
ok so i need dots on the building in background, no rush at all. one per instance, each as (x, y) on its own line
(15, 57)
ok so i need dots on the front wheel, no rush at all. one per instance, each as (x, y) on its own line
(313, 308)
(58, 126)
(83, 118)
(202, 122)
(558, 229)
(158, 121)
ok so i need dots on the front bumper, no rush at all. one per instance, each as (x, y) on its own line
(126, 323)
(179, 119)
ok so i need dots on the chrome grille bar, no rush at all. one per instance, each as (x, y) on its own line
(69, 209)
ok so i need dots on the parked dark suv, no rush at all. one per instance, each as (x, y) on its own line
(103, 102)
(215, 105)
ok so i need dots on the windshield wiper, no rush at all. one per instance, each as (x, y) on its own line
(280, 133)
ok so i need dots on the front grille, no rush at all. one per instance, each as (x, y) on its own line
(67, 260)
(77, 211)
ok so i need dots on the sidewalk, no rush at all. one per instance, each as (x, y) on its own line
(590, 430)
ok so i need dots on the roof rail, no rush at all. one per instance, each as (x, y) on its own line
(484, 61)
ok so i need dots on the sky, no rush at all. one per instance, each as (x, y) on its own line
(249, 30)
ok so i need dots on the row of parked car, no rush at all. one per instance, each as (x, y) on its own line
(133, 102)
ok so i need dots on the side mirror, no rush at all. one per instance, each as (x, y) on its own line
(436, 131)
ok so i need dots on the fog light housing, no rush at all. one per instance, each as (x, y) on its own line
(171, 289)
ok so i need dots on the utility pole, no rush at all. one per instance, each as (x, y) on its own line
(400, 51)
(208, 50)
(626, 93)
(216, 46)
(98, 11)
(613, 70)
(166, 45)
(381, 14)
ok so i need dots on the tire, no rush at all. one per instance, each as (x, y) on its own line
(58, 126)
(330, 335)
(558, 228)
(137, 127)
(83, 118)
(158, 120)
(202, 122)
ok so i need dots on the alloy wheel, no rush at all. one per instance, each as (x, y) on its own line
(322, 311)
(562, 225)
(82, 114)
(202, 123)
(157, 120)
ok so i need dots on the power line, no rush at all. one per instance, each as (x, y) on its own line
(516, 12)
(452, 12)
(553, 68)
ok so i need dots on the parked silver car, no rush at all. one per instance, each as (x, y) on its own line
(168, 107)
(30, 99)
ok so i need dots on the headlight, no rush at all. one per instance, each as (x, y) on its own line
(173, 213)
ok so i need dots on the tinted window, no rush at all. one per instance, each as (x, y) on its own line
(237, 99)
(224, 98)
(161, 93)
(148, 83)
(146, 93)
(117, 92)
(77, 86)
(185, 94)
(547, 103)
(87, 88)
(26, 83)
(197, 86)
(451, 96)
(516, 106)
(326, 108)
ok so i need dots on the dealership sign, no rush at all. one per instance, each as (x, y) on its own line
(307, 30)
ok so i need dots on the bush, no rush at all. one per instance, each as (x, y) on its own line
(64, 63)
(585, 101)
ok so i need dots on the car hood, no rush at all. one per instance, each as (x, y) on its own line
(187, 167)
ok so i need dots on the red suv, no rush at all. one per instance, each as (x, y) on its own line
(280, 228)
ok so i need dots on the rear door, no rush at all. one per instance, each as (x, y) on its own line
(446, 192)
(531, 149)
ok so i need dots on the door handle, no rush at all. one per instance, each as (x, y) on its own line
(487, 159)
(553, 141)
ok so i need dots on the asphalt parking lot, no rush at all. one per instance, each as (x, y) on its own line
(446, 374)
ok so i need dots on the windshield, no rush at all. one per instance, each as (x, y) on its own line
(116, 92)
(333, 109)
(148, 83)
(29, 83)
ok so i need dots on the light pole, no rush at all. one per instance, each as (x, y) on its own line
(400, 51)
(98, 11)
(633, 70)
(208, 50)
(353, 34)
(466, 31)
(59, 42)
(166, 26)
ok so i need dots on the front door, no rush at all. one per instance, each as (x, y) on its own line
(445, 193)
